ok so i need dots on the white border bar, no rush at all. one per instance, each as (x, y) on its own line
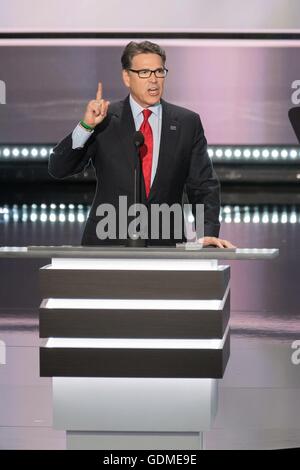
(287, 43)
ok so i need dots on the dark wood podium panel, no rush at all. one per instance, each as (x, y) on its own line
(125, 362)
(133, 323)
(134, 284)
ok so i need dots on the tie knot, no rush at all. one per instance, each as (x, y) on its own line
(146, 113)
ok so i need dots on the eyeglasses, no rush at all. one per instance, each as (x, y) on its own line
(146, 73)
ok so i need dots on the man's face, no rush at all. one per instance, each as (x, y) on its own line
(145, 91)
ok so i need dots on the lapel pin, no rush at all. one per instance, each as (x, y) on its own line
(173, 128)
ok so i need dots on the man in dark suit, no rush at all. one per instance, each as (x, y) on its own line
(174, 157)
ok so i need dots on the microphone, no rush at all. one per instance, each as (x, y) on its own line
(138, 139)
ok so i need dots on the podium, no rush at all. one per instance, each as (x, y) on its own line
(135, 341)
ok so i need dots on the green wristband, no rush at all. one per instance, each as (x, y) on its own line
(86, 126)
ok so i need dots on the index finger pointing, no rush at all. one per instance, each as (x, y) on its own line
(99, 92)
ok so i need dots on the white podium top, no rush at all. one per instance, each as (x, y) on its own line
(137, 253)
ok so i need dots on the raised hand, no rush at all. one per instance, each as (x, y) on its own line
(96, 110)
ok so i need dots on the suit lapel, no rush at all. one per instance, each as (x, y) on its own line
(169, 134)
(126, 130)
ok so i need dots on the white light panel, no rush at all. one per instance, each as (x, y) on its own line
(137, 343)
(135, 264)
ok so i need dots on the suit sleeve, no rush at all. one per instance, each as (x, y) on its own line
(65, 161)
(202, 185)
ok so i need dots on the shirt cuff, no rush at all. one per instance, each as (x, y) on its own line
(80, 136)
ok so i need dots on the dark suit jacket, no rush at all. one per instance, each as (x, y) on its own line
(183, 165)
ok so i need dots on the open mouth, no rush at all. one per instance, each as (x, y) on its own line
(153, 91)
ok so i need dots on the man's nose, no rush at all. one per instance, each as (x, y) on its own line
(153, 77)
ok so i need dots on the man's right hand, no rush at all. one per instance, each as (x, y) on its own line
(96, 110)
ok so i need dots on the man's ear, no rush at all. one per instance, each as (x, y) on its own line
(125, 76)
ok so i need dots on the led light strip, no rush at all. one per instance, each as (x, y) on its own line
(25, 152)
(259, 214)
(78, 213)
(44, 213)
(253, 154)
(218, 153)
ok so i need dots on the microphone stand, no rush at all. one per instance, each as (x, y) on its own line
(135, 241)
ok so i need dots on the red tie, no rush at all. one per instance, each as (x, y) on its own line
(146, 150)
